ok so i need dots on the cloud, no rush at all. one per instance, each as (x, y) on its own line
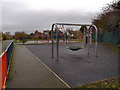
(18, 17)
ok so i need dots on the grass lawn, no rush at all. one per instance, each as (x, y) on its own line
(107, 83)
(110, 46)
(33, 39)
(16, 41)
(36, 43)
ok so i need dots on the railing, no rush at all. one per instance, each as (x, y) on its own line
(9, 54)
(3, 69)
(5, 59)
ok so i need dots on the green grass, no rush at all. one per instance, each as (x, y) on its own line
(16, 41)
(110, 46)
(81, 40)
(107, 83)
(33, 39)
(36, 43)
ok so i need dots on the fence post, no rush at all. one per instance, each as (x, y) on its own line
(0, 73)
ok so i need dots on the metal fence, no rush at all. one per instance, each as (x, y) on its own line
(3, 69)
(5, 59)
(108, 37)
(9, 54)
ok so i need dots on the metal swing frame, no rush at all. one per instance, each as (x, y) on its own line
(69, 24)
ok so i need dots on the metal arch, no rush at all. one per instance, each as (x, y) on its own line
(73, 24)
(57, 34)
(52, 40)
(96, 37)
(57, 43)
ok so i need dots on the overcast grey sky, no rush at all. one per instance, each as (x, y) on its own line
(29, 15)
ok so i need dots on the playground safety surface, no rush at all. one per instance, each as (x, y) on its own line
(76, 67)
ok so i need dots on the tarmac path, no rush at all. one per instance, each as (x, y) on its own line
(27, 71)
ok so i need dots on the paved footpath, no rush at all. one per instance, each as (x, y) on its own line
(28, 72)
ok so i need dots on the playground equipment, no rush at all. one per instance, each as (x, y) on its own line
(75, 35)
(73, 48)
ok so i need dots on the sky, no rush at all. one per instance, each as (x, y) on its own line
(29, 15)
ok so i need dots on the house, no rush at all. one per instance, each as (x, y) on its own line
(37, 34)
(45, 34)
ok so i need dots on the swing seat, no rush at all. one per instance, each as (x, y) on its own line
(74, 48)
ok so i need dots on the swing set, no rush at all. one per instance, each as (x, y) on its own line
(87, 33)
